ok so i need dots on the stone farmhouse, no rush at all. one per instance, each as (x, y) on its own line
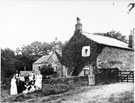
(90, 49)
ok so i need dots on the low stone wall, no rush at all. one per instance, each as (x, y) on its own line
(107, 76)
(61, 85)
(76, 80)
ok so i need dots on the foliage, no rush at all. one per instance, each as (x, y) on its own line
(126, 97)
(54, 43)
(24, 61)
(30, 53)
(7, 62)
(114, 34)
(72, 50)
(55, 89)
(22, 57)
(47, 70)
(71, 53)
(36, 48)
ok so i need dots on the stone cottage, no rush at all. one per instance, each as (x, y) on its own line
(53, 60)
(87, 49)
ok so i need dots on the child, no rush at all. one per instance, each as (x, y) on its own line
(27, 86)
(33, 87)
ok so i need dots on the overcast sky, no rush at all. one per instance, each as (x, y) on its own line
(25, 21)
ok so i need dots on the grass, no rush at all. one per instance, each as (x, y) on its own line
(126, 97)
(47, 90)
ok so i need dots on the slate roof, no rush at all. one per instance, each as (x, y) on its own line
(107, 41)
(47, 59)
(42, 60)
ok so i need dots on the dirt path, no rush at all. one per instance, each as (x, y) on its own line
(112, 93)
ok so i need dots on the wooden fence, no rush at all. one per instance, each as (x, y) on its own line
(126, 76)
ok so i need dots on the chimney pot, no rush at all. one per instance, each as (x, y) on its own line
(131, 40)
(78, 26)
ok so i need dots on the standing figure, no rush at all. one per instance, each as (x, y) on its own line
(31, 77)
(38, 82)
(22, 83)
(18, 83)
(26, 78)
(17, 75)
(13, 89)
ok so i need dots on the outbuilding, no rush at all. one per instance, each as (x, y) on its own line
(53, 60)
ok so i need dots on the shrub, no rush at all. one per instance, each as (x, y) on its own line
(55, 89)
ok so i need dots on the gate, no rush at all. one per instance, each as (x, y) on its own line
(126, 76)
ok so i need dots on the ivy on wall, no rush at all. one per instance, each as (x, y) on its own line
(71, 53)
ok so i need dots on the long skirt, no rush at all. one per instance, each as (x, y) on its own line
(38, 84)
(13, 89)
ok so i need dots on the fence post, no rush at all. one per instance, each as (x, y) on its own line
(119, 76)
(127, 78)
(91, 79)
(132, 76)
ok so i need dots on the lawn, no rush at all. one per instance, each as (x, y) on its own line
(111, 93)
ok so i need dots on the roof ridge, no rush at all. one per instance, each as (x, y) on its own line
(50, 55)
(103, 36)
(87, 32)
(107, 41)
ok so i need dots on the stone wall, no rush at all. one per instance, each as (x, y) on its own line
(76, 81)
(116, 58)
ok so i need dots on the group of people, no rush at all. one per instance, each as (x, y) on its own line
(25, 84)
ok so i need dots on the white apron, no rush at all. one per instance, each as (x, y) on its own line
(38, 82)
(32, 88)
(13, 89)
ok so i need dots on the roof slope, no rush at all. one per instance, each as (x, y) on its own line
(47, 59)
(42, 60)
(107, 41)
(53, 58)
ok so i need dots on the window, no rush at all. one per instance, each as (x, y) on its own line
(86, 51)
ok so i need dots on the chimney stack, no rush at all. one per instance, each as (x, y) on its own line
(57, 46)
(131, 39)
(78, 26)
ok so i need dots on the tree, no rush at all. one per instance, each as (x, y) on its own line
(36, 49)
(28, 54)
(47, 70)
(24, 61)
(53, 43)
(7, 63)
(114, 34)
(132, 6)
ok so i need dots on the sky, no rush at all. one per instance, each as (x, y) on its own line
(25, 21)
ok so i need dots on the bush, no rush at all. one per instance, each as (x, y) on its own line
(47, 70)
(55, 89)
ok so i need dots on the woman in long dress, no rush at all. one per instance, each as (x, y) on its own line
(13, 89)
(38, 82)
